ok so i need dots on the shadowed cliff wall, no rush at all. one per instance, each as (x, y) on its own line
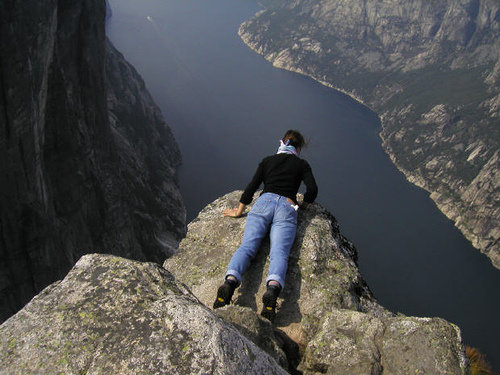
(87, 162)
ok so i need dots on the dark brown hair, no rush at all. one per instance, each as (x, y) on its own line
(296, 139)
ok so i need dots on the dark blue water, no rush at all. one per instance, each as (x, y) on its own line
(228, 108)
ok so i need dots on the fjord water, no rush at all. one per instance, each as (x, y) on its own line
(228, 108)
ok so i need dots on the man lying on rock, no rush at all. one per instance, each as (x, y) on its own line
(275, 210)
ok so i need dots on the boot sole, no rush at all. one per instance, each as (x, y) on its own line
(224, 295)
(269, 308)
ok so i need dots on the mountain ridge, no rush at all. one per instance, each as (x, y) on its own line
(431, 72)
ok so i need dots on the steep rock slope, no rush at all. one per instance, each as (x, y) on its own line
(111, 315)
(429, 68)
(88, 163)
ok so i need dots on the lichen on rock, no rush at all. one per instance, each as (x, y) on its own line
(326, 307)
(111, 315)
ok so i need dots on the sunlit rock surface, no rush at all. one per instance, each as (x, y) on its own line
(111, 315)
(326, 307)
(115, 316)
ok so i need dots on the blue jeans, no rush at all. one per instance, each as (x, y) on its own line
(277, 212)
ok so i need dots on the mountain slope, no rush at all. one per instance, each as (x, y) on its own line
(430, 69)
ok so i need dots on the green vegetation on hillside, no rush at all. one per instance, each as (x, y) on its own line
(458, 88)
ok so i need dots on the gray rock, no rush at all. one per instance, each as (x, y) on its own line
(326, 308)
(345, 344)
(261, 332)
(116, 316)
(322, 272)
(354, 343)
(422, 346)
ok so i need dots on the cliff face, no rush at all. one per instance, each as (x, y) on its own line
(429, 68)
(88, 164)
(111, 315)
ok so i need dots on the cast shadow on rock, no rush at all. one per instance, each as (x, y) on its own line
(254, 277)
(288, 311)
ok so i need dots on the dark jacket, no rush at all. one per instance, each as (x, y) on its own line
(282, 174)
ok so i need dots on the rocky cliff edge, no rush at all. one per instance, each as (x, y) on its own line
(113, 315)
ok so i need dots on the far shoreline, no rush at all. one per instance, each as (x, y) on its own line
(439, 200)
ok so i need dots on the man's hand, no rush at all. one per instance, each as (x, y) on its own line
(234, 212)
